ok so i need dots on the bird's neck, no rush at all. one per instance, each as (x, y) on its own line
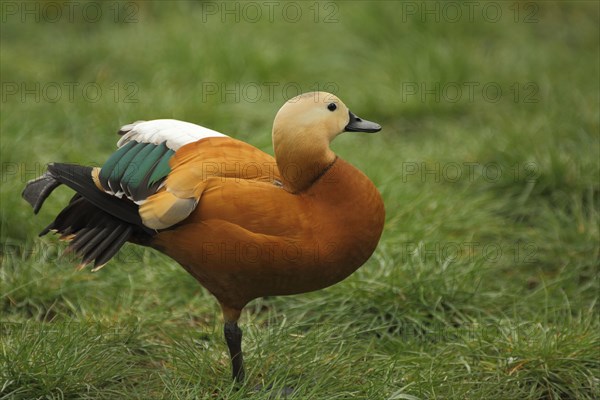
(301, 158)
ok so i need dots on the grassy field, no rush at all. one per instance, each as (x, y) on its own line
(485, 283)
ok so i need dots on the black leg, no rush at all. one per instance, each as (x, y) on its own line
(233, 335)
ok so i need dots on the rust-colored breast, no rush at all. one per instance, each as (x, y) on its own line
(251, 238)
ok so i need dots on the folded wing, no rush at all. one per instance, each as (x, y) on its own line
(201, 165)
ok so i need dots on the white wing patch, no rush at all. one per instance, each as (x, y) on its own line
(175, 133)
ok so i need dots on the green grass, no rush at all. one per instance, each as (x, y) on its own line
(483, 286)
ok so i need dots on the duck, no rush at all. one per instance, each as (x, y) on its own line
(243, 223)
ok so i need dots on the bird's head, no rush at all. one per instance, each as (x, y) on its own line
(302, 131)
(318, 116)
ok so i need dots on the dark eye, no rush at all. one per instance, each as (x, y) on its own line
(331, 106)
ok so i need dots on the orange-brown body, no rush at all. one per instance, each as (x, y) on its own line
(249, 238)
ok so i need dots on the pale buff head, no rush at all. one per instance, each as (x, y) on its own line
(303, 129)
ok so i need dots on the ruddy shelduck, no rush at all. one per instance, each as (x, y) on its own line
(241, 222)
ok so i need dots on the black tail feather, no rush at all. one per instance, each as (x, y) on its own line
(83, 237)
(96, 252)
(97, 236)
(38, 190)
(97, 223)
(79, 179)
(113, 248)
